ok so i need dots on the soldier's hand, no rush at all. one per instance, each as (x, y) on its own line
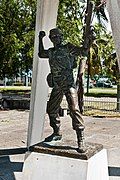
(41, 34)
(92, 36)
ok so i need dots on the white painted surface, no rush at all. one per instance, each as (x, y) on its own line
(98, 167)
(0, 95)
(113, 7)
(45, 20)
(51, 167)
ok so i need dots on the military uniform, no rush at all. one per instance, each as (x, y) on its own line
(62, 61)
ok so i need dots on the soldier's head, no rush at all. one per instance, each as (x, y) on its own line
(56, 36)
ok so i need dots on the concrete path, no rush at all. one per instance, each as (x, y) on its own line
(13, 133)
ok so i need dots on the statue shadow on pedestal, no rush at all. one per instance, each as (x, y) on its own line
(70, 150)
(55, 145)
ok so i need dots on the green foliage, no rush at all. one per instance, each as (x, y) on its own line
(101, 51)
(70, 17)
(112, 64)
(17, 22)
(17, 19)
(71, 20)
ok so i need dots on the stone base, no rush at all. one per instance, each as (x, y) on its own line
(65, 163)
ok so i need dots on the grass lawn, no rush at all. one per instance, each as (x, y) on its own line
(14, 89)
(102, 92)
(94, 92)
(100, 113)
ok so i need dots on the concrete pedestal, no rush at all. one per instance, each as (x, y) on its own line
(65, 163)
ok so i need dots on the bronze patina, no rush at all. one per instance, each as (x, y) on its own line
(62, 61)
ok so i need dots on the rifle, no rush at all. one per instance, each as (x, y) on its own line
(87, 27)
(86, 47)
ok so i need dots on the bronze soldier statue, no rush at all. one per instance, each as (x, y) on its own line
(62, 60)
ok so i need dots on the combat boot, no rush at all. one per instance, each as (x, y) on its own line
(80, 139)
(55, 136)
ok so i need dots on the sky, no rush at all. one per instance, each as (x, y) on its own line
(108, 24)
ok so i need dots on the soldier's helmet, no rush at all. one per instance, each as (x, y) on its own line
(55, 31)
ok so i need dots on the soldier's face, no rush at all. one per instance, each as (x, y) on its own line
(56, 38)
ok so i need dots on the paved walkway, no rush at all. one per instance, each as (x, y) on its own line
(13, 133)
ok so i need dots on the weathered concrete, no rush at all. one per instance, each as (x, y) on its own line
(13, 134)
(46, 166)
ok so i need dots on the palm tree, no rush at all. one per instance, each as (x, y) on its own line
(93, 9)
(113, 68)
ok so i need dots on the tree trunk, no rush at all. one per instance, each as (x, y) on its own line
(5, 81)
(88, 76)
(80, 84)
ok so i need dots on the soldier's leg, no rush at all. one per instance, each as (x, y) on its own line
(77, 120)
(71, 97)
(53, 107)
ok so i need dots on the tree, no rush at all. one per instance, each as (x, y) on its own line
(100, 51)
(17, 19)
(113, 71)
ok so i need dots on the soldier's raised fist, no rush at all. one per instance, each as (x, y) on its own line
(41, 34)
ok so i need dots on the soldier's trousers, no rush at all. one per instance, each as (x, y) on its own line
(53, 107)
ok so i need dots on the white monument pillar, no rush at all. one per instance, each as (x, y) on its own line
(114, 14)
(45, 20)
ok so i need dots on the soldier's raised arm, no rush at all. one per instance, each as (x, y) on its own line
(77, 50)
(42, 53)
(84, 49)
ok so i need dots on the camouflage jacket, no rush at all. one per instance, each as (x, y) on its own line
(62, 62)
